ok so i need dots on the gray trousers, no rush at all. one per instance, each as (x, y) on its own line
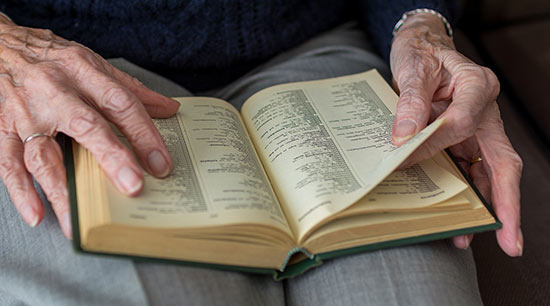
(39, 267)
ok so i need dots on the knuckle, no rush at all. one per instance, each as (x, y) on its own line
(58, 195)
(43, 34)
(412, 99)
(135, 82)
(82, 122)
(464, 125)
(478, 75)
(46, 174)
(42, 164)
(77, 60)
(117, 100)
(486, 79)
(492, 81)
(36, 157)
(142, 133)
(10, 168)
(504, 168)
(516, 163)
(108, 152)
(76, 52)
(47, 32)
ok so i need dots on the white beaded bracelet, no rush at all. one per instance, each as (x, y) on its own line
(408, 14)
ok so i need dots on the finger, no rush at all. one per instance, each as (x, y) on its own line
(461, 120)
(474, 89)
(88, 128)
(122, 107)
(464, 152)
(395, 86)
(157, 105)
(18, 181)
(464, 241)
(481, 180)
(44, 159)
(417, 80)
(504, 166)
(90, 64)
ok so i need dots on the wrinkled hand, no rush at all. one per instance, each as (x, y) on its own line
(50, 85)
(434, 81)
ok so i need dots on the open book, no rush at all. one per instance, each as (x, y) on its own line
(305, 172)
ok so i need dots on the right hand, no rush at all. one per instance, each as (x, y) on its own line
(436, 81)
(50, 85)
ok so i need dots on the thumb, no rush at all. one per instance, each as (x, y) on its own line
(414, 104)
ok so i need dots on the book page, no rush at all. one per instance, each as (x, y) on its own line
(217, 177)
(325, 144)
(422, 185)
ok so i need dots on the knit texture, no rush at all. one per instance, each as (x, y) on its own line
(202, 44)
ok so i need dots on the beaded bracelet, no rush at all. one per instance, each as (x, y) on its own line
(422, 10)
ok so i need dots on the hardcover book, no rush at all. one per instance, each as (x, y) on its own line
(305, 172)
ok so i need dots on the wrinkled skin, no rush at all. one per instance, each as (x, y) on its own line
(50, 85)
(435, 81)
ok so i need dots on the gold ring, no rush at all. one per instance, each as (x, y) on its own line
(476, 160)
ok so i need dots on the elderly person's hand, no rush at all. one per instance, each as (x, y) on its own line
(50, 85)
(435, 80)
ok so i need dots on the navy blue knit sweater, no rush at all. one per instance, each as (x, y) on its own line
(203, 44)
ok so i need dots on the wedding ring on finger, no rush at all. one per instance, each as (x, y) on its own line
(476, 160)
(33, 136)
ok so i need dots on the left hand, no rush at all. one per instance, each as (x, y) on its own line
(434, 81)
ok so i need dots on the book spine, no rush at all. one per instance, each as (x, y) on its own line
(291, 253)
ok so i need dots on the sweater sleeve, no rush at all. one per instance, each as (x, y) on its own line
(378, 17)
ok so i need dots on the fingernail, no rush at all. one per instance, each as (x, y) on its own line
(30, 216)
(158, 164)
(404, 130)
(67, 226)
(466, 242)
(519, 243)
(129, 180)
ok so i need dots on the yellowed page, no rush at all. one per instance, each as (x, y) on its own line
(372, 228)
(401, 222)
(217, 177)
(325, 144)
(422, 185)
(444, 161)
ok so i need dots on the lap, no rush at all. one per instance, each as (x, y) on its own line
(434, 273)
(39, 267)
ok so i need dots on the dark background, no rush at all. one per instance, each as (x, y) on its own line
(512, 37)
